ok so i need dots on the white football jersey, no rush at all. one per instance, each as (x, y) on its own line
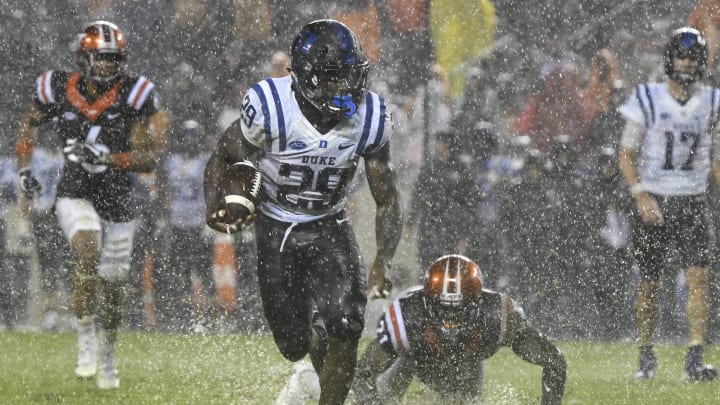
(185, 187)
(675, 154)
(306, 173)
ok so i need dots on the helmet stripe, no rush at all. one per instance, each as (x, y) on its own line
(104, 33)
(306, 43)
(453, 279)
(688, 39)
(446, 281)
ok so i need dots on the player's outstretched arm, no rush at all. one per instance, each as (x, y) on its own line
(716, 172)
(533, 347)
(715, 165)
(26, 139)
(27, 134)
(388, 219)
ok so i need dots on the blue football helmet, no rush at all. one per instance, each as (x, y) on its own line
(329, 68)
(686, 43)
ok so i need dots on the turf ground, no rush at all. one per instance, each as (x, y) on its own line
(37, 368)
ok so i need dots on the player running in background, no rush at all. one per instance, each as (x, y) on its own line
(669, 147)
(442, 332)
(104, 117)
(307, 133)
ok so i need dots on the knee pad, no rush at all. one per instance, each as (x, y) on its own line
(76, 215)
(116, 251)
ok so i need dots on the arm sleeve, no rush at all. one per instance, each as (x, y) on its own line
(533, 347)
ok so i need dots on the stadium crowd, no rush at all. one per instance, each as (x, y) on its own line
(506, 144)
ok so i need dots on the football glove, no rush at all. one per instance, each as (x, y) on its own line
(236, 214)
(239, 189)
(81, 152)
(29, 184)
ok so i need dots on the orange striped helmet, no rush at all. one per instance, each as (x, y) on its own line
(452, 279)
(101, 39)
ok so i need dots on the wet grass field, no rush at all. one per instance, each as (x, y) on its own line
(37, 368)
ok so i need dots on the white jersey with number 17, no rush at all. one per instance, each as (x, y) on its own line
(675, 153)
(306, 173)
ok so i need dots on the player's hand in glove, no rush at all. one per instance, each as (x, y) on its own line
(233, 216)
(81, 152)
(29, 184)
(238, 190)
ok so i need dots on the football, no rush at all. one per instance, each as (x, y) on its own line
(241, 178)
(239, 191)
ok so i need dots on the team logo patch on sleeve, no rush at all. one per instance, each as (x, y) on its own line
(297, 145)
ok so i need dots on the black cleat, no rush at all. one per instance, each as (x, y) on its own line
(648, 363)
(695, 369)
(319, 344)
